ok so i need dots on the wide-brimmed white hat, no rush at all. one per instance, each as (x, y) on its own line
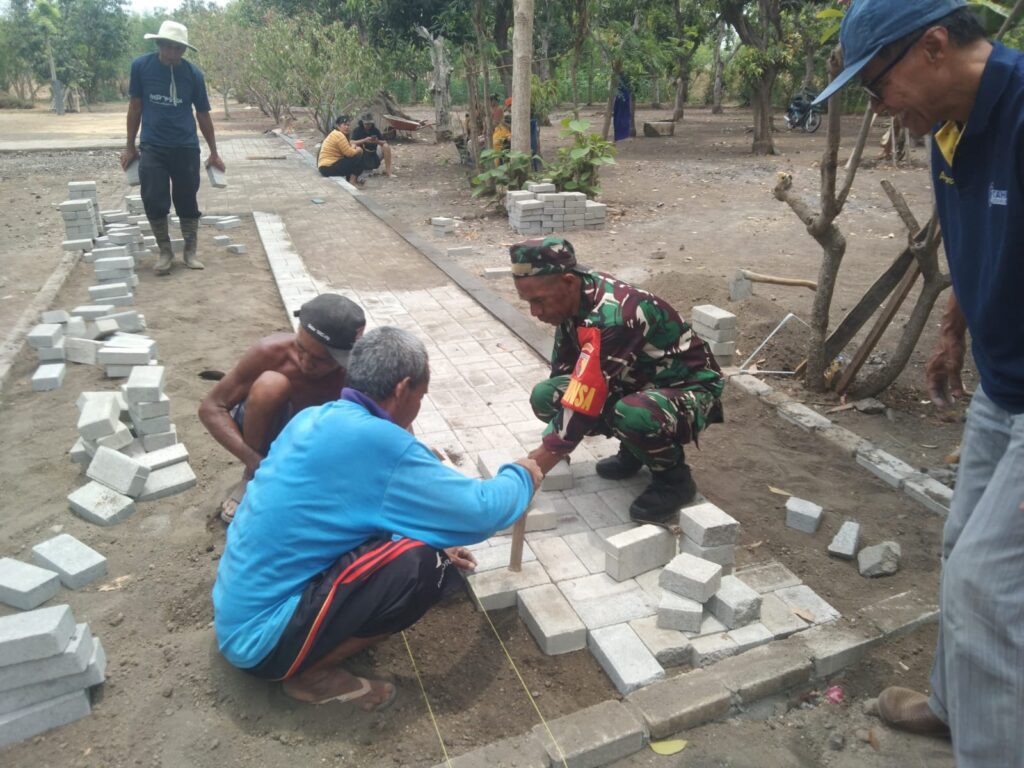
(173, 32)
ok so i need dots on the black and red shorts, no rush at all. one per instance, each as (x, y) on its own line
(379, 588)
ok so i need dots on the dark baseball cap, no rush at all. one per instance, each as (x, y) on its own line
(334, 321)
(547, 256)
(870, 25)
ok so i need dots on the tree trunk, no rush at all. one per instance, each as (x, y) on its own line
(478, 24)
(762, 103)
(719, 68)
(477, 110)
(574, 67)
(440, 85)
(833, 250)
(543, 60)
(809, 59)
(502, 24)
(682, 91)
(655, 92)
(227, 113)
(613, 87)
(522, 56)
(590, 80)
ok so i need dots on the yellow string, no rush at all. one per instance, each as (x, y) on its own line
(522, 682)
(423, 690)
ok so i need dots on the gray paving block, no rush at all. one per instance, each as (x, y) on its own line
(76, 563)
(806, 418)
(779, 618)
(551, 620)
(154, 426)
(99, 416)
(36, 634)
(558, 559)
(518, 752)
(708, 626)
(833, 648)
(708, 526)
(559, 478)
(750, 636)
(928, 491)
(70, 661)
(48, 376)
(92, 311)
(803, 515)
(767, 577)
(26, 586)
(901, 614)
(638, 550)
(724, 555)
(161, 407)
(237, 248)
(110, 354)
(498, 555)
(679, 613)
(592, 737)
(624, 657)
(691, 577)
(715, 335)
(709, 649)
(121, 438)
(735, 604)
(536, 520)
(498, 589)
(844, 544)
(54, 354)
(28, 695)
(160, 440)
(713, 317)
(168, 481)
(680, 703)
(670, 647)
(164, 457)
(54, 316)
(594, 510)
(145, 385)
(39, 718)
(601, 601)
(886, 467)
(806, 601)
(82, 351)
(118, 472)
(45, 335)
(587, 546)
(765, 671)
(100, 505)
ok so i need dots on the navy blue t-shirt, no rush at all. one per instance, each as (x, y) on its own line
(980, 199)
(167, 119)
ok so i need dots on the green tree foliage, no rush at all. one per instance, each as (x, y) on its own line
(89, 49)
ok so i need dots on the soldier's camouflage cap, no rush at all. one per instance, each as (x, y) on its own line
(547, 256)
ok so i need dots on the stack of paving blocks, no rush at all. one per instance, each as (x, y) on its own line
(128, 448)
(80, 228)
(718, 328)
(442, 225)
(134, 205)
(48, 664)
(48, 341)
(540, 209)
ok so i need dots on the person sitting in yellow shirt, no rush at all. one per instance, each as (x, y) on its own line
(502, 136)
(341, 157)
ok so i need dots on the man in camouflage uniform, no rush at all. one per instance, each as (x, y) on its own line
(624, 365)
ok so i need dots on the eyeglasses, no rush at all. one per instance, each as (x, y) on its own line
(872, 89)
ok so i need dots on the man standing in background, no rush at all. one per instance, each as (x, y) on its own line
(162, 91)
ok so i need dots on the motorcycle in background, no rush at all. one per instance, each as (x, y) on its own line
(801, 113)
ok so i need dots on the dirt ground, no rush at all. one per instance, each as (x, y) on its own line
(171, 701)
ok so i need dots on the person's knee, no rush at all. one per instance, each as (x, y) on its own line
(634, 418)
(545, 395)
(268, 394)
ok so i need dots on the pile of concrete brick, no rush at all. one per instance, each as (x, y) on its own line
(222, 223)
(540, 209)
(48, 664)
(718, 328)
(80, 212)
(442, 225)
(128, 448)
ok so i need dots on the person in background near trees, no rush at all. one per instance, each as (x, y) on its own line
(366, 129)
(278, 377)
(928, 63)
(624, 365)
(341, 157)
(163, 88)
(501, 138)
(496, 109)
(352, 530)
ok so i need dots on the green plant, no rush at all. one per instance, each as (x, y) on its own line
(576, 169)
(505, 170)
(543, 98)
(7, 101)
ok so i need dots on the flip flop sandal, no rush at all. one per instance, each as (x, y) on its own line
(365, 687)
(235, 494)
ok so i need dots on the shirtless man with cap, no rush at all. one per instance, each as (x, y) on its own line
(279, 376)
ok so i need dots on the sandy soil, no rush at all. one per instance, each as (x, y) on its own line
(170, 699)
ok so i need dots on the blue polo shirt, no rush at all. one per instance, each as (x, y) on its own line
(979, 191)
(167, 119)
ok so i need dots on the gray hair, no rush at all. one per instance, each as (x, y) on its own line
(382, 358)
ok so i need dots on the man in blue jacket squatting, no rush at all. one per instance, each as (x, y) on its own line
(349, 530)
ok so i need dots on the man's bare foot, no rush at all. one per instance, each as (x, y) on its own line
(336, 684)
(230, 504)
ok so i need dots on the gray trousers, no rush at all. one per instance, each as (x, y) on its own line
(978, 675)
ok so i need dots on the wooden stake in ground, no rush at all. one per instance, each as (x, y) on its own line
(515, 561)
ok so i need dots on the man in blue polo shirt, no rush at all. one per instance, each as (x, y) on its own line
(162, 91)
(928, 62)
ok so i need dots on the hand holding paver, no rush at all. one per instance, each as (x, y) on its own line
(128, 154)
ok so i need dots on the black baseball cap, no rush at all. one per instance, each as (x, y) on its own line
(334, 321)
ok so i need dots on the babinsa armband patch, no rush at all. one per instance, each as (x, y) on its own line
(587, 388)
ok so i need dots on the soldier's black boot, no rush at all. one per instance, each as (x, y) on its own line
(667, 493)
(620, 466)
